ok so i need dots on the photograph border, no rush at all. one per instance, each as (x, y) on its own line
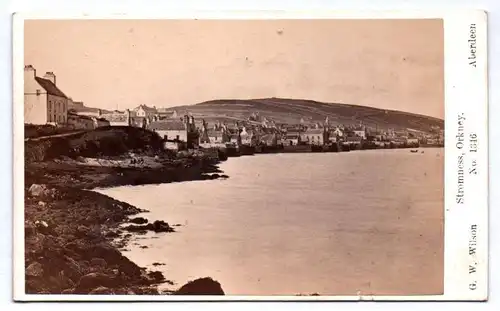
(465, 93)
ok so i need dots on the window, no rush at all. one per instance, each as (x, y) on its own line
(38, 92)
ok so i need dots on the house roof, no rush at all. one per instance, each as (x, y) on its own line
(171, 125)
(214, 133)
(267, 137)
(314, 131)
(354, 138)
(50, 87)
(78, 116)
(77, 107)
(115, 117)
(145, 108)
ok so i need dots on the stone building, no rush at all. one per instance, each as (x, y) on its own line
(44, 102)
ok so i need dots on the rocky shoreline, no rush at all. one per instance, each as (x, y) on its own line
(73, 235)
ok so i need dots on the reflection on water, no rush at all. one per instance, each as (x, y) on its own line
(368, 222)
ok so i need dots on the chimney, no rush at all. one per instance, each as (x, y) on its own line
(49, 75)
(127, 115)
(29, 68)
(29, 71)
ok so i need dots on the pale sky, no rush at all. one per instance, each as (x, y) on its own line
(119, 64)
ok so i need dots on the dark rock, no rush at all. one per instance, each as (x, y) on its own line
(147, 291)
(73, 270)
(144, 246)
(157, 226)
(95, 280)
(29, 229)
(37, 190)
(98, 262)
(44, 228)
(138, 228)
(158, 264)
(156, 276)
(202, 286)
(101, 290)
(112, 234)
(82, 231)
(101, 250)
(139, 220)
(124, 291)
(34, 269)
(161, 226)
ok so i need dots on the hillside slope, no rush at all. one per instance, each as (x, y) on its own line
(293, 110)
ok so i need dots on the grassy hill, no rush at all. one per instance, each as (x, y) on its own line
(293, 110)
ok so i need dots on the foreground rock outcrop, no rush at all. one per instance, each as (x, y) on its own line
(72, 235)
(68, 248)
(157, 226)
(202, 286)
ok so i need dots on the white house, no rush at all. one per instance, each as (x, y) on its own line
(360, 132)
(44, 102)
(145, 111)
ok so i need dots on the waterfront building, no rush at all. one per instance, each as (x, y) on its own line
(247, 136)
(354, 140)
(79, 108)
(141, 122)
(183, 130)
(100, 122)
(335, 134)
(165, 113)
(291, 138)
(76, 121)
(118, 118)
(145, 111)
(314, 136)
(44, 102)
(215, 135)
(360, 132)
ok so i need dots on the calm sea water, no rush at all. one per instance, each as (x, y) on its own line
(366, 222)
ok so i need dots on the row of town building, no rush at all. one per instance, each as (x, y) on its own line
(192, 132)
(46, 103)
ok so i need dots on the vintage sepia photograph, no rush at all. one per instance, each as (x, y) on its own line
(257, 157)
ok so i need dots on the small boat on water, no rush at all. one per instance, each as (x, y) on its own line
(414, 151)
